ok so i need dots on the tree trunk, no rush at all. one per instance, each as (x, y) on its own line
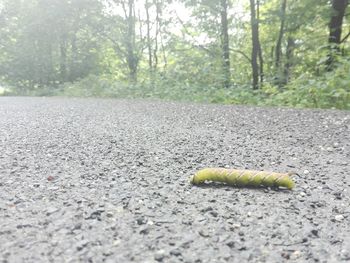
(63, 59)
(155, 51)
(45, 56)
(261, 60)
(278, 51)
(131, 53)
(149, 44)
(49, 63)
(335, 30)
(73, 70)
(255, 45)
(225, 44)
(261, 65)
(289, 59)
(159, 23)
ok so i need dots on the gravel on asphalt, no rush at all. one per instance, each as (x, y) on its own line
(106, 180)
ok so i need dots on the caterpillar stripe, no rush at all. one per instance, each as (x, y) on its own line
(243, 177)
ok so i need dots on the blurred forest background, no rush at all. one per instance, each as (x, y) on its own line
(262, 52)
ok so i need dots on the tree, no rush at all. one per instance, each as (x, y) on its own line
(132, 58)
(153, 36)
(149, 42)
(256, 47)
(45, 41)
(45, 44)
(120, 30)
(211, 22)
(289, 59)
(278, 49)
(335, 30)
(225, 43)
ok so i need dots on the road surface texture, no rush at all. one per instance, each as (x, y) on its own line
(100, 180)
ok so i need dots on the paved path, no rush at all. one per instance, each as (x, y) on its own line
(107, 181)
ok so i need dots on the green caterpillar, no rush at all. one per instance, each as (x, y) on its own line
(243, 177)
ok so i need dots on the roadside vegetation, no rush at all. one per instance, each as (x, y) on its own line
(267, 52)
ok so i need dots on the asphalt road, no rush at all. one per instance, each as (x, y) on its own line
(99, 180)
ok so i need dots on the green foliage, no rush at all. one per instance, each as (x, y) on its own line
(91, 86)
(329, 90)
(47, 42)
(83, 48)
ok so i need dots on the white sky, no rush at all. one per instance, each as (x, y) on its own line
(184, 13)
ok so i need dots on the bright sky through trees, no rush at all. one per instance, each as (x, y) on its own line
(180, 12)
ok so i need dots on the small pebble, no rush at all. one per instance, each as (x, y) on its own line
(314, 232)
(160, 255)
(50, 178)
(175, 252)
(204, 233)
(230, 244)
(339, 218)
(214, 213)
(117, 242)
(329, 149)
(296, 254)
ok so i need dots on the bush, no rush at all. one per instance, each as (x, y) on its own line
(91, 86)
(330, 90)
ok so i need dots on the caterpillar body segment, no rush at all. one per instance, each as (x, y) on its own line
(243, 177)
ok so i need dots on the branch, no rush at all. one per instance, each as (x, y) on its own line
(242, 53)
(344, 39)
(189, 34)
(116, 45)
(124, 9)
